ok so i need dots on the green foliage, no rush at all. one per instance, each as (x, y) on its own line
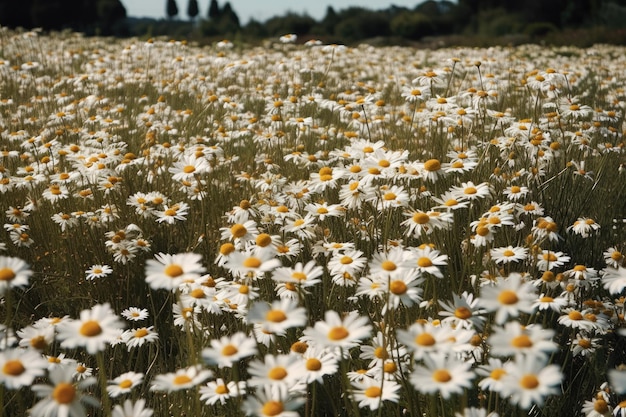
(412, 25)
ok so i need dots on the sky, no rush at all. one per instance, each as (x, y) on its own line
(261, 10)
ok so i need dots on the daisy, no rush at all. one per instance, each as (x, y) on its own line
(135, 314)
(302, 275)
(318, 363)
(371, 393)
(337, 332)
(130, 409)
(36, 337)
(426, 260)
(508, 298)
(390, 197)
(272, 402)
(516, 192)
(583, 345)
(170, 214)
(63, 397)
(14, 273)
(613, 257)
(240, 233)
(282, 370)
(442, 374)
(277, 317)
(548, 260)
(229, 350)
(350, 261)
(221, 391)
(404, 289)
(431, 170)
(470, 191)
(98, 271)
(181, 379)
(514, 339)
(545, 302)
(138, 337)
(301, 227)
(188, 167)
(584, 227)
(530, 381)
(95, 329)
(463, 312)
(124, 383)
(597, 407)
(493, 372)
(505, 255)
(248, 264)
(324, 210)
(82, 371)
(19, 367)
(170, 271)
(422, 339)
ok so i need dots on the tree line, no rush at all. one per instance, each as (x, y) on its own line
(430, 18)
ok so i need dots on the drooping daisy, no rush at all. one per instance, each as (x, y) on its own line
(180, 379)
(95, 329)
(584, 227)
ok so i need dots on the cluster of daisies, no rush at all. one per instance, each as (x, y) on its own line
(310, 229)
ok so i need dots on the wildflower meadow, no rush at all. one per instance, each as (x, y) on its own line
(306, 229)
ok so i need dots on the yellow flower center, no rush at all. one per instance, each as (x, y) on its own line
(238, 230)
(397, 287)
(272, 408)
(181, 380)
(90, 328)
(229, 350)
(389, 196)
(442, 375)
(277, 373)
(64, 393)
(373, 392)
(227, 249)
(508, 297)
(508, 253)
(529, 381)
(384, 163)
(346, 260)
(127, 383)
(275, 316)
(338, 333)
(424, 262)
(388, 266)
(521, 341)
(584, 343)
(601, 406)
(252, 262)
(313, 364)
(38, 342)
(470, 190)
(462, 313)
(221, 389)
(497, 373)
(173, 270)
(188, 169)
(421, 218)
(575, 315)
(425, 339)
(13, 367)
(263, 240)
(432, 165)
(139, 333)
(7, 274)
(197, 293)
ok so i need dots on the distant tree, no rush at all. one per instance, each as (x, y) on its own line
(228, 14)
(109, 13)
(330, 20)
(171, 9)
(192, 9)
(214, 10)
(412, 25)
(290, 23)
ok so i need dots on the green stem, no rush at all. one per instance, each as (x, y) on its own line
(106, 401)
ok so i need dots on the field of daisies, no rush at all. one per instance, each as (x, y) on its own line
(302, 229)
